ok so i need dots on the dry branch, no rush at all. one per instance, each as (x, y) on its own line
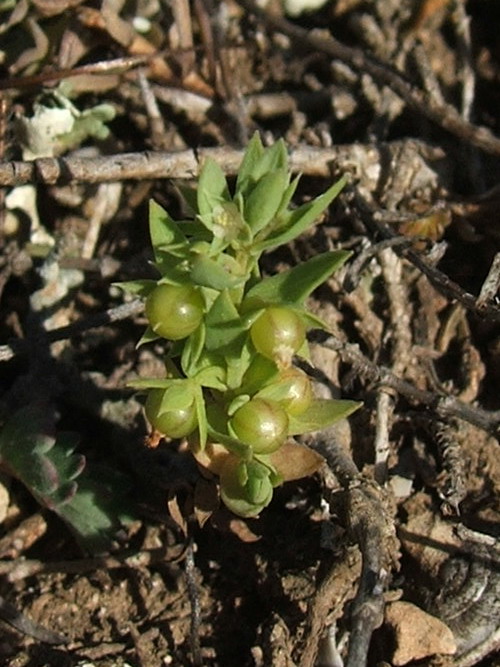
(183, 164)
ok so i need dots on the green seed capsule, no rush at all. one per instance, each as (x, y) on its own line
(278, 334)
(174, 311)
(261, 424)
(296, 391)
(176, 423)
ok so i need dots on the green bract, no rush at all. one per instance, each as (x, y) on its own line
(229, 377)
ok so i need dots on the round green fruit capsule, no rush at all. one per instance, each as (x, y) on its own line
(262, 424)
(174, 311)
(175, 423)
(297, 391)
(278, 334)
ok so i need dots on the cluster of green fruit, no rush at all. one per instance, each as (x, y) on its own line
(231, 387)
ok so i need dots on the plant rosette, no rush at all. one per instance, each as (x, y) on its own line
(230, 334)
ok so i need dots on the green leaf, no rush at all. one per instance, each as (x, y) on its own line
(164, 231)
(178, 396)
(287, 196)
(259, 373)
(147, 337)
(212, 188)
(264, 201)
(192, 351)
(253, 153)
(320, 414)
(99, 509)
(201, 416)
(209, 273)
(274, 158)
(296, 222)
(138, 287)
(295, 285)
(189, 194)
(44, 462)
(224, 324)
(152, 383)
(212, 377)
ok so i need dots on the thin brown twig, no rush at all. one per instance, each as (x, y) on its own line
(121, 312)
(442, 114)
(445, 285)
(20, 569)
(444, 405)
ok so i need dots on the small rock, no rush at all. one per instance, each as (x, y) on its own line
(417, 633)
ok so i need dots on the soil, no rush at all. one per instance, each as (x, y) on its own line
(405, 509)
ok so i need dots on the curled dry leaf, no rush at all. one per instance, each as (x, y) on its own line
(294, 461)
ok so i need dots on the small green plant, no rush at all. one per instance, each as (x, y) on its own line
(91, 500)
(231, 387)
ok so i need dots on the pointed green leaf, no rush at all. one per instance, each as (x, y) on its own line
(201, 416)
(274, 158)
(164, 231)
(212, 377)
(287, 196)
(138, 287)
(295, 285)
(320, 414)
(147, 337)
(223, 322)
(253, 153)
(151, 383)
(296, 222)
(189, 194)
(209, 273)
(192, 351)
(264, 200)
(212, 188)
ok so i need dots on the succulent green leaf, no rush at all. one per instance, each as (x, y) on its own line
(212, 189)
(264, 200)
(287, 196)
(296, 222)
(320, 414)
(295, 285)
